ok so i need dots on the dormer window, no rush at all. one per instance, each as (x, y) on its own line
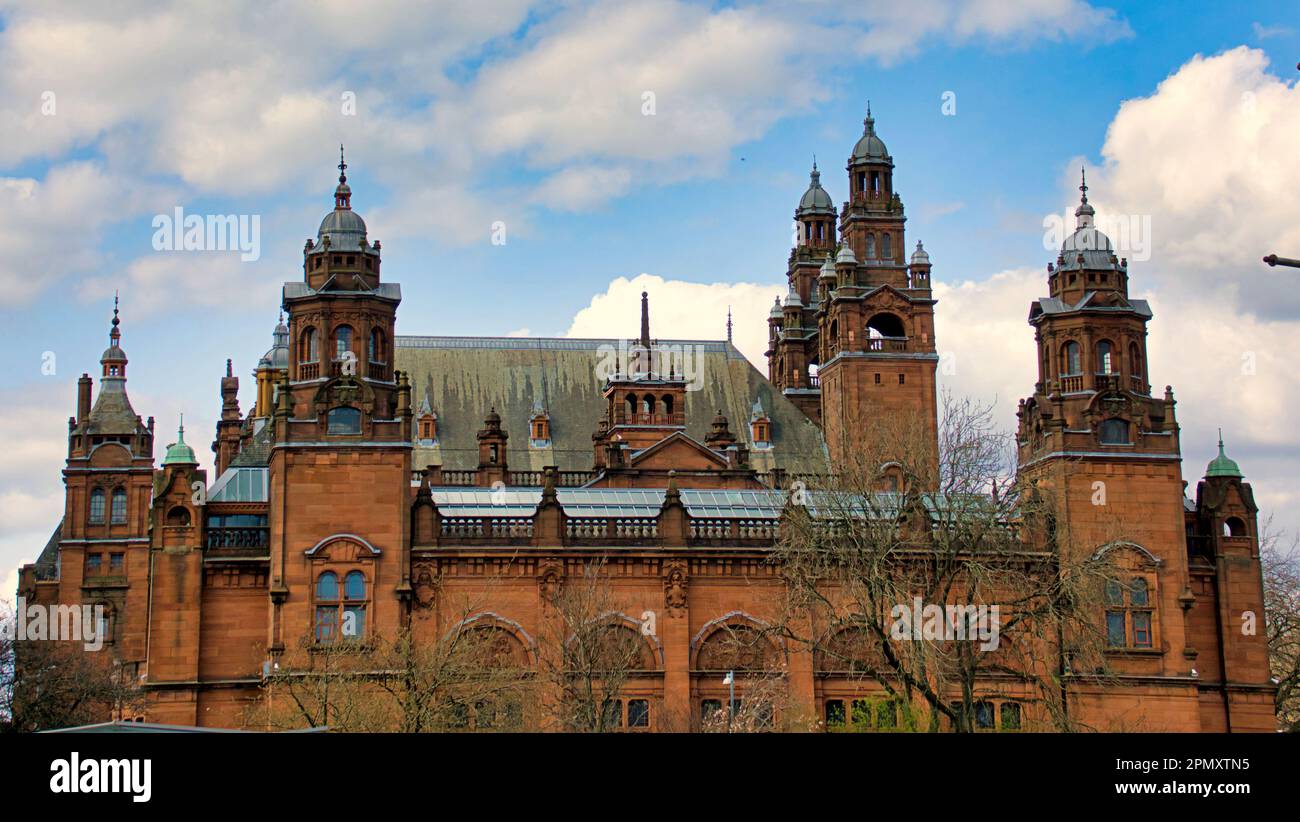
(428, 428)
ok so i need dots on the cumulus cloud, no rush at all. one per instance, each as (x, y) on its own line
(682, 310)
(1211, 157)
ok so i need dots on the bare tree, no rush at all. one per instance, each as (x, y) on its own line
(47, 684)
(465, 677)
(1281, 570)
(591, 651)
(944, 579)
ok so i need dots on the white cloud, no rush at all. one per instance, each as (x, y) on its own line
(682, 311)
(1211, 156)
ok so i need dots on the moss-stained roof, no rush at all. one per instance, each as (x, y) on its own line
(464, 377)
(47, 564)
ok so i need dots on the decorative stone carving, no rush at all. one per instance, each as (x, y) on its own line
(675, 587)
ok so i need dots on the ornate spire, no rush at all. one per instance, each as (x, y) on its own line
(343, 194)
(115, 335)
(729, 322)
(1083, 184)
(869, 124)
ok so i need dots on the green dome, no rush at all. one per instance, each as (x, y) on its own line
(178, 453)
(1221, 466)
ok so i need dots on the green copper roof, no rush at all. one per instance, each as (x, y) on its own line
(178, 453)
(1221, 466)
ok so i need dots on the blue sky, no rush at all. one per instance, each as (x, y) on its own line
(529, 114)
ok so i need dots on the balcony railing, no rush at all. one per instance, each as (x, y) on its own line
(239, 537)
(600, 530)
(1071, 383)
(887, 344)
(733, 531)
(507, 530)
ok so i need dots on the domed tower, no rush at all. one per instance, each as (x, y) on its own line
(342, 430)
(1105, 452)
(875, 326)
(792, 344)
(1227, 578)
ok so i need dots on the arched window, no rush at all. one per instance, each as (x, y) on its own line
(1135, 361)
(648, 405)
(1114, 431)
(343, 420)
(668, 404)
(342, 341)
(119, 505)
(354, 605)
(871, 246)
(886, 250)
(327, 607)
(376, 345)
(308, 350)
(1128, 613)
(1070, 365)
(1105, 358)
(97, 506)
(1234, 527)
(631, 406)
(178, 516)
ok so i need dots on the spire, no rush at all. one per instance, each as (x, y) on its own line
(728, 323)
(115, 335)
(343, 194)
(1084, 213)
(870, 122)
(645, 320)
(1083, 184)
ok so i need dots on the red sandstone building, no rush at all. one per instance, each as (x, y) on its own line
(376, 475)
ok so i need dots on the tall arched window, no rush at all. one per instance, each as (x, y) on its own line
(886, 249)
(631, 406)
(1105, 358)
(1135, 361)
(327, 607)
(119, 505)
(342, 341)
(97, 506)
(1070, 364)
(871, 246)
(377, 345)
(354, 606)
(668, 404)
(308, 350)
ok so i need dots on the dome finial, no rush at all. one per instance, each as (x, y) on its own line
(115, 333)
(180, 430)
(1083, 184)
(870, 122)
(343, 166)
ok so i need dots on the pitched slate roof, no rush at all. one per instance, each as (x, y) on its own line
(47, 564)
(466, 376)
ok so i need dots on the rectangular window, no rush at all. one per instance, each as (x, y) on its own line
(116, 563)
(877, 379)
(834, 713)
(638, 713)
(1116, 636)
(327, 623)
(901, 378)
(886, 714)
(354, 622)
(1142, 629)
(97, 507)
(861, 714)
(710, 708)
(612, 712)
(94, 563)
(1010, 716)
(984, 715)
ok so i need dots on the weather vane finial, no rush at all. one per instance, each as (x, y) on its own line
(343, 166)
(1083, 185)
